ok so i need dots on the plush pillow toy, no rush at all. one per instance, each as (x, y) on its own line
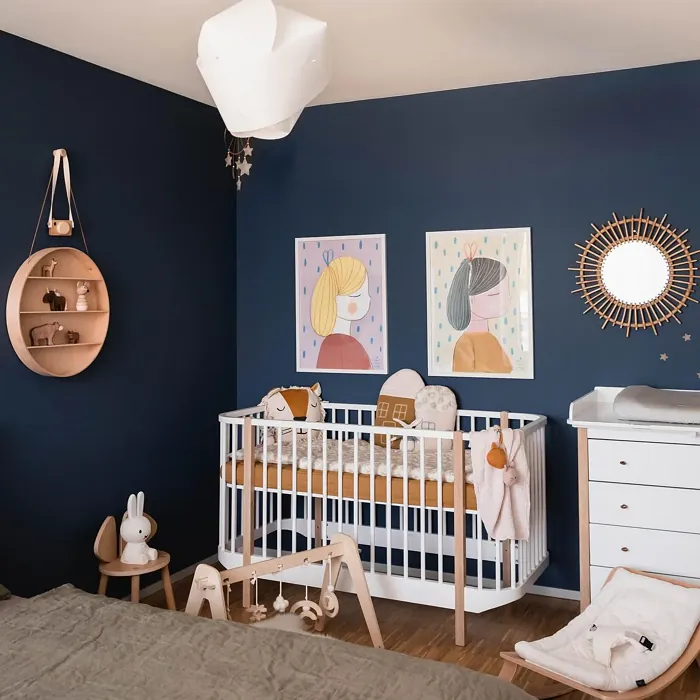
(436, 409)
(396, 402)
(298, 403)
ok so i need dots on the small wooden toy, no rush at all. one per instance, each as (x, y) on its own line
(45, 332)
(83, 288)
(47, 270)
(73, 337)
(55, 300)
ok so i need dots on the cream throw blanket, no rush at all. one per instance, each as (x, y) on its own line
(504, 510)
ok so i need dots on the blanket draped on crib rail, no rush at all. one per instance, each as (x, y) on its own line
(504, 510)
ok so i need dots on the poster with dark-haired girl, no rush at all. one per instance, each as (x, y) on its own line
(479, 287)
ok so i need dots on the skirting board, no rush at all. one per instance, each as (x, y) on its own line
(184, 573)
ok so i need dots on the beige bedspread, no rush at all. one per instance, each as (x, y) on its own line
(70, 645)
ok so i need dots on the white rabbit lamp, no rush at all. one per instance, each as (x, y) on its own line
(135, 531)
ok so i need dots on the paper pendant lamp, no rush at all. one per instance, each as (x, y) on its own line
(262, 64)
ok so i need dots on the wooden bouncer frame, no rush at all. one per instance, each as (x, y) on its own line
(208, 583)
(460, 534)
(561, 685)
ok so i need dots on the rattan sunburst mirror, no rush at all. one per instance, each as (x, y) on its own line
(636, 272)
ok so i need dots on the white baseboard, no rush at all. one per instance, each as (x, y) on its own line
(177, 576)
(564, 593)
(546, 591)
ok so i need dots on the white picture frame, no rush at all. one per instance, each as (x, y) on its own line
(497, 341)
(359, 342)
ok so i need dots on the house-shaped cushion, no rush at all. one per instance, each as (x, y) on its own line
(436, 409)
(397, 400)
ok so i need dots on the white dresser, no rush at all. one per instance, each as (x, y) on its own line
(639, 494)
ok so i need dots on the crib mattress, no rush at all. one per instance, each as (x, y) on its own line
(360, 460)
(431, 497)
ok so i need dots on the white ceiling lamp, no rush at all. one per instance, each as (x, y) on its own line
(263, 64)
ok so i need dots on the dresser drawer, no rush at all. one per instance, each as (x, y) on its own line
(657, 551)
(599, 575)
(652, 463)
(656, 507)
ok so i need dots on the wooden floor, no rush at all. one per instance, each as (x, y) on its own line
(428, 632)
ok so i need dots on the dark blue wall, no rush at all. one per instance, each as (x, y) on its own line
(158, 209)
(554, 155)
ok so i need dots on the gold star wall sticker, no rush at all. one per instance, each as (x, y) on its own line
(686, 337)
(663, 357)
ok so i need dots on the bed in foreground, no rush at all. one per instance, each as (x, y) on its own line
(76, 646)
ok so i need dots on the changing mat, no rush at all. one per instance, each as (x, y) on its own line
(364, 457)
(643, 403)
(631, 633)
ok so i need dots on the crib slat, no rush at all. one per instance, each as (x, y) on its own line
(339, 490)
(279, 492)
(372, 504)
(223, 457)
(324, 506)
(498, 544)
(479, 554)
(404, 442)
(294, 489)
(356, 477)
(460, 558)
(234, 488)
(422, 509)
(264, 486)
(440, 510)
(387, 518)
(309, 501)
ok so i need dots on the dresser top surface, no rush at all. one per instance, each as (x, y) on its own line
(595, 410)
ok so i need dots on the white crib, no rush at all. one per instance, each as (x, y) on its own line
(412, 546)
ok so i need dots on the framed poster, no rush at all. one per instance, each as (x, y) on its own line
(341, 324)
(479, 295)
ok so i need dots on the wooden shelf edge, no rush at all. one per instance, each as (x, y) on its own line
(65, 279)
(61, 345)
(67, 311)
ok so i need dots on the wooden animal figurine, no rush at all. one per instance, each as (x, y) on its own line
(83, 289)
(45, 332)
(55, 300)
(135, 530)
(47, 270)
(73, 337)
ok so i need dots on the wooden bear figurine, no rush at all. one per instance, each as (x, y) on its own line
(55, 300)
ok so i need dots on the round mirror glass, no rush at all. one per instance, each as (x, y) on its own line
(635, 272)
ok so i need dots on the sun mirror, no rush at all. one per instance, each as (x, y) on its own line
(636, 272)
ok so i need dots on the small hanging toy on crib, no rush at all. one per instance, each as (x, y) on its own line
(497, 457)
(257, 611)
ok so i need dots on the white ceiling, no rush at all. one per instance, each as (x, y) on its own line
(380, 48)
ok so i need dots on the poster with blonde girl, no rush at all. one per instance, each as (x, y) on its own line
(341, 304)
(480, 303)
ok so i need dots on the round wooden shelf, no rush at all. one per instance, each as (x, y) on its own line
(26, 310)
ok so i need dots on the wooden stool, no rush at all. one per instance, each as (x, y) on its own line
(108, 551)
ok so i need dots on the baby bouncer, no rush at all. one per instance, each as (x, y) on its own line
(637, 637)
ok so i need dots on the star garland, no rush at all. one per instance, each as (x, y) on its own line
(238, 151)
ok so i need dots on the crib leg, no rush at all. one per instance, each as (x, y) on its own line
(459, 539)
(318, 514)
(248, 524)
(102, 588)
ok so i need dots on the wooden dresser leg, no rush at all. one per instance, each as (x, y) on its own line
(168, 588)
(135, 588)
(102, 588)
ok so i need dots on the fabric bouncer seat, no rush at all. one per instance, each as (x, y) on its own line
(637, 636)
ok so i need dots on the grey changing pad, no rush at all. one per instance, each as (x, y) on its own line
(643, 403)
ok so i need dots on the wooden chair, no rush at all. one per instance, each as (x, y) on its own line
(561, 685)
(108, 548)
